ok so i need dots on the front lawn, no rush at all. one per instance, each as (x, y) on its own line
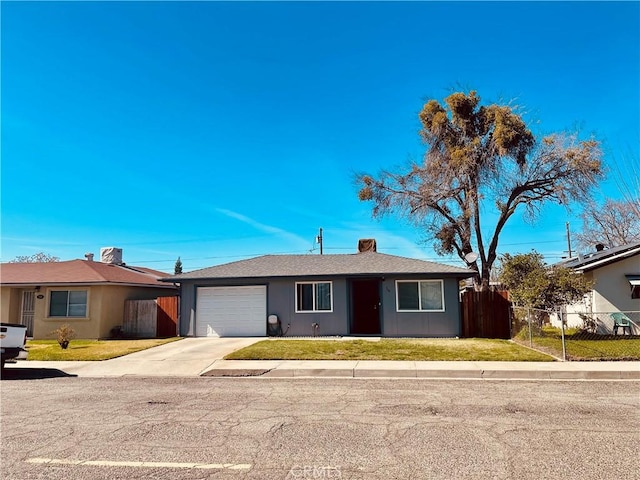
(469, 349)
(90, 349)
(581, 346)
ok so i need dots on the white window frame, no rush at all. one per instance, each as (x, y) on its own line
(420, 309)
(68, 290)
(315, 305)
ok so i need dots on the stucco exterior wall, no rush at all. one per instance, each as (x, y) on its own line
(85, 327)
(105, 308)
(5, 299)
(11, 302)
(112, 304)
(612, 291)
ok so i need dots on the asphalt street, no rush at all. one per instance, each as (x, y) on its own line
(269, 428)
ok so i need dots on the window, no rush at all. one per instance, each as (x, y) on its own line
(420, 296)
(68, 303)
(314, 297)
(634, 281)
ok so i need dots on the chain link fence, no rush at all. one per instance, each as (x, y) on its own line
(578, 336)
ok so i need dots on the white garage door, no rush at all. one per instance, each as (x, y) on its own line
(231, 311)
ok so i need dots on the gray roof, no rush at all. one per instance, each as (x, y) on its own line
(604, 257)
(369, 263)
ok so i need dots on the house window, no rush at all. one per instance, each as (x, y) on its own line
(68, 303)
(634, 281)
(420, 296)
(314, 297)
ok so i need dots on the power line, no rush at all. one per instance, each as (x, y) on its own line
(303, 252)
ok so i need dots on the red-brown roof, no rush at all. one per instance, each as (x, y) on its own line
(78, 272)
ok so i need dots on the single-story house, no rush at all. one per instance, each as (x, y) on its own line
(86, 294)
(616, 276)
(365, 293)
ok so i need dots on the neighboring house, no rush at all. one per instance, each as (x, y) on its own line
(616, 276)
(366, 293)
(86, 294)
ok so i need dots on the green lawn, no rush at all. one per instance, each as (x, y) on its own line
(470, 349)
(606, 348)
(90, 349)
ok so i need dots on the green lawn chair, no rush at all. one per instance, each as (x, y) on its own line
(620, 320)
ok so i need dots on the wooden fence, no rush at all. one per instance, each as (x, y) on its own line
(151, 318)
(486, 314)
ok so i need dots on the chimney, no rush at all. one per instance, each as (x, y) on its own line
(89, 257)
(111, 255)
(367, 245)
(600, 247)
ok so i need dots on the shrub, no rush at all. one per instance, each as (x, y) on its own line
(64, 334)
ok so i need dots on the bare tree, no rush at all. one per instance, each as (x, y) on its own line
(477, 158)
(39, 257)
(626, 171)
(614, 222)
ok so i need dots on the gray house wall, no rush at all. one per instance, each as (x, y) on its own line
(186, 327)
(281, 302)
(421, 324)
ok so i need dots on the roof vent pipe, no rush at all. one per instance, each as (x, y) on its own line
(367, 245)
(89, 257)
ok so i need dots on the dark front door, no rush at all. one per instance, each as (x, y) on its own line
(365, 307)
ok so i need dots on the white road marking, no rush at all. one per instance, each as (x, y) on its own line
(111, 463)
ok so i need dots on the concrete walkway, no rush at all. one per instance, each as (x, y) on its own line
(193, 357)
(188, 357)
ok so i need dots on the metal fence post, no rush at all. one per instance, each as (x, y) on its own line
(564, 348)
(530, 329)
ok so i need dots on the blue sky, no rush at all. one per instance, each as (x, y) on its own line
(216, 131)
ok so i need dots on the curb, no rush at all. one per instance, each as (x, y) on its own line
(426, 374)
(234, 372)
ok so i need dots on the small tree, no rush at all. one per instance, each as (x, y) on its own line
(525, 278)
(64, 334)
(177, 269)
(39, 257)
(531, 283)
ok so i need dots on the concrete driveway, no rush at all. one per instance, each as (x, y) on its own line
(188, 357)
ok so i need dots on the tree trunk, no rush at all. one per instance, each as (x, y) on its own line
(484, 278)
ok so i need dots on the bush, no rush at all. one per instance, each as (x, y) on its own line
(64, 334)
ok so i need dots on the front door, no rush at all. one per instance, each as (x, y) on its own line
(365, 307)
(28, 310)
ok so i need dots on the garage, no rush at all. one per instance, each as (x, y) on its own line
(231, 311)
